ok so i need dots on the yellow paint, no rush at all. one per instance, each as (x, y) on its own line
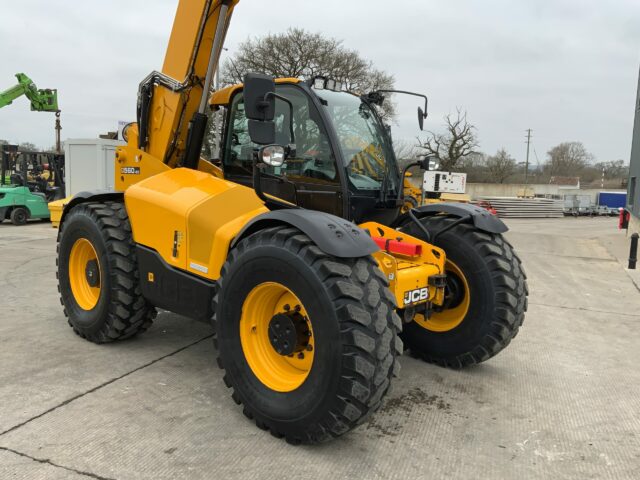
(202, 212)
(84, 294)
(208, 167)
(55, 211)
(277, 372)
(222, 97)
(408, 273)
(170, 112)
(130, 159)
(450, 318)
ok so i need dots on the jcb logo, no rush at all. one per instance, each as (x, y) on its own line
(417, 295)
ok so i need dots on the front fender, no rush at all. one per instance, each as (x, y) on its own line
(333, 235)
(481, 218)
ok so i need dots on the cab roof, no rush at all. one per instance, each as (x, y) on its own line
(222, 97)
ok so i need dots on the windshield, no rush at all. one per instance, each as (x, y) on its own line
(365, 149)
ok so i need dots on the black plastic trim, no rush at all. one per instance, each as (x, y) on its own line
(333, 235)
(481, 218)
(173, 289)
(91, 196)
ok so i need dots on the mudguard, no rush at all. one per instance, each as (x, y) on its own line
(482, 219)
(94, 195)
(333, 235)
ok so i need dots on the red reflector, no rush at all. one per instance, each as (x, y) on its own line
(396, 246)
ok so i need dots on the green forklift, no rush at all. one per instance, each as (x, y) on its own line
(20, 199)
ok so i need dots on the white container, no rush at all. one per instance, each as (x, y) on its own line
(89, 164)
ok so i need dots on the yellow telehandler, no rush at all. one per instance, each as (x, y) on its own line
(301, 260)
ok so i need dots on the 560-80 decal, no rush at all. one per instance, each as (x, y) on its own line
(417, 295)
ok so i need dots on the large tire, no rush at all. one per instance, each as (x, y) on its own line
(19, 216)
(354, 326)
(115, 308)
(497, 297)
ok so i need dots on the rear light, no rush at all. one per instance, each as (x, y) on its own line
(398, 246)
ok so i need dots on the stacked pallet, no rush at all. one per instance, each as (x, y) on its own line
(513, 207)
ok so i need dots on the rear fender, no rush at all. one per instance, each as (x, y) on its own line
(91, 196)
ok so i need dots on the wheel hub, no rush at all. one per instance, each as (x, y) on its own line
(454, 293)
(288, 333)
(92, 273)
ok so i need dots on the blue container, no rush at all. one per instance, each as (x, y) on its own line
(612, 199)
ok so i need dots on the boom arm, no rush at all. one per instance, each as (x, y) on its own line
(41, 100)
(177, 96)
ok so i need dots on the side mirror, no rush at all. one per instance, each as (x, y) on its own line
(272, 155)
(421, 117)
(260, 107)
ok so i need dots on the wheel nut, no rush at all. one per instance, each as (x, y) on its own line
(309, 348)
(287, 307)
(301, 355)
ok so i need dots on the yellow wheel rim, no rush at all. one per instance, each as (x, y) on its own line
(282, 373)
(452, 317)
(85, 276)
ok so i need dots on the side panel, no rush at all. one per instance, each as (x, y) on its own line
(173, 289)
(37, 206)
(189, 217)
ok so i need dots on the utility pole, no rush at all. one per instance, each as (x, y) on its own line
(526, 163)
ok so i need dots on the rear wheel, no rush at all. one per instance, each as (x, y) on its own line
(19, 216)
(308, 341)
(485, 297)
(98, 274)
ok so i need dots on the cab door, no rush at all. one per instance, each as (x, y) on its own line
(309, 177)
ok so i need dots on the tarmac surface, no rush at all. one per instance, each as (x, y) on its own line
(562, 401)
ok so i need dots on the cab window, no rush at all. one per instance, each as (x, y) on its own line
(313, 161)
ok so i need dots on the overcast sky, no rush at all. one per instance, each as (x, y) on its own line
(567, 69)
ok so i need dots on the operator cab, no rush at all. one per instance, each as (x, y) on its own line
(339, 156)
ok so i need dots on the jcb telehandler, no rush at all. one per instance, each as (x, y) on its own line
(301, 260)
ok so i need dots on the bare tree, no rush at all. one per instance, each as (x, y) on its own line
(475, 166)
(458, 142)
(500, 166)
(568, 159)
(301, 54)
(406, 152)
(613, 169)
(28, 147)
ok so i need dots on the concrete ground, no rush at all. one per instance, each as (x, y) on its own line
(563, 401)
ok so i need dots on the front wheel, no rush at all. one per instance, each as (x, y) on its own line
(308, 341)
(19, 216)
(485, 297)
